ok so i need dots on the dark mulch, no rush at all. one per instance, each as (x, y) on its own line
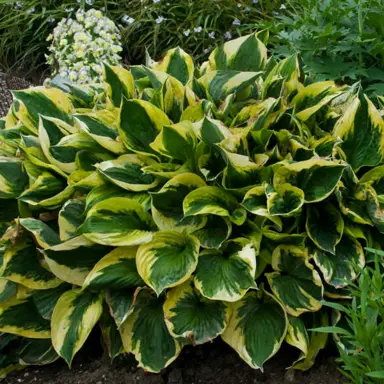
(214, 363)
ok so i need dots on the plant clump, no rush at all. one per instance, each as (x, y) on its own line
(173, 204)
(80, 46)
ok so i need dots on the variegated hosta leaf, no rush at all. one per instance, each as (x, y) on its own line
(146, 335)
(71, 216)
(120, 304)
(257, 327)
(214, 201)
(45, 301)
(127, 172)
(140, 123)
(362, 130)
(246, 53)
(13, 179)
(51, 132)
(211, 131)
(20, 317)
(32, 103)
(313, 97)
(351, 207)
(297, 285)
(241, 173)
(167, 170)
(324, 225)
(190, 315)
(47, 191)
(104, 192)
(210, 161)
(31, 147)
(74, 265)
(119, 84)
(176, 141)
(168, 260)
(220, 84)
(196, 112)
(74, 316)
(297, 336)
(44, 235)
(227, 274)
(375, 178)
(287, 76)
(37, 352)
(101, 131)
(22, 265)
(118, 221)
(215, 232)
(178, 64)
(117, 270)
(315, 341)
(7, 289)
(342, 267)
(170, 95)
(9, 362)
(284, 200)
(317, 178)
(111, 335)
(255, 201)
(167, 204)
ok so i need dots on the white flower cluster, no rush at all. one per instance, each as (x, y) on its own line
(80, 47)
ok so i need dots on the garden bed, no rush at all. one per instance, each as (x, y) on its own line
(209, 364)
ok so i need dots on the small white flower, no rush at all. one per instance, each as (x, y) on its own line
(247, 9)
(130, 20)
(211, 35)
(32, 10)
(156, 1)
(89, 2)
(236, 22)
(160, 19)
(187, 32)
(239, 5)
(282, 6)
(79, 17)
(228, 35)
(69, 10)
(51, 19)
(198, 29)
(255, 1)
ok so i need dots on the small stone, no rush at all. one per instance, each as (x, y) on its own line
(290, 376)
(99, 382)
(26, 374)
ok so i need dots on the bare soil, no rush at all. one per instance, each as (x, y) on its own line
(214, 363)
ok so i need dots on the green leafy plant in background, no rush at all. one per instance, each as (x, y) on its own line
(80, 47)
(158, 25)
(338, 39)
(358, 325)
(175, 204)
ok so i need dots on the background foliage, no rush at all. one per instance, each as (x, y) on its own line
(338, 39)
(26, 46)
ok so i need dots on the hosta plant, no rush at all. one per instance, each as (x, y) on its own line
(181, 204)
(80, 45)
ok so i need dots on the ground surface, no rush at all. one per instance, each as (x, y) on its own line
(208, 364)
